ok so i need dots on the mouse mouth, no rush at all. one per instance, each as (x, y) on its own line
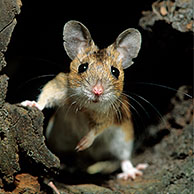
(95, 100)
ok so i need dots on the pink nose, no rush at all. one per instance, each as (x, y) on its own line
(98, 89)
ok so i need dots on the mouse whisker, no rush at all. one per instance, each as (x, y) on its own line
(77, 102)
(135, 110)
(64, 102)
(33, 79)
(137, 102)
(164, 87)
(116, 109)
(130, 105)
(151, 105)
(127, 108)
(82, 102)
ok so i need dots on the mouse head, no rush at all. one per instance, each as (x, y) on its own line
(96, 75)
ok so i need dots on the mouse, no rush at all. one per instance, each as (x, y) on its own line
(93, 113)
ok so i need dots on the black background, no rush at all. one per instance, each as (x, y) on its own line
(36, 48)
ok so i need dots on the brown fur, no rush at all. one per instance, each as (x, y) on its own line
(97, 58)
(91, 100)
(62, 89)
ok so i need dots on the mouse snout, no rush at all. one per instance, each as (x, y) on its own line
(98, 89)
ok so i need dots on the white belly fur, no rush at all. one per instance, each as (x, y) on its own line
(67, 128)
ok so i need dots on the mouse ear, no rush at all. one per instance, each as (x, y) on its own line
(128, 45)
(76, 38)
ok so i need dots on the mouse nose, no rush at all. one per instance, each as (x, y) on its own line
(98, 89)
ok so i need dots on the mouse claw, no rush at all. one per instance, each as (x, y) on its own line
(142, 166)
(51, 184)
(31, 104)
(85, 142)
(133, 173)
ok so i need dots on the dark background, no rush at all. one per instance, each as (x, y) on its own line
(36, 49)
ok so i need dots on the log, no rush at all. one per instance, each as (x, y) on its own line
(21, 131)
(178, 13)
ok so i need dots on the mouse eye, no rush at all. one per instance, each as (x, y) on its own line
(82, 68)
(115, 72)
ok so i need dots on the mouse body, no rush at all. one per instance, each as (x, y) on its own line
(64, 134)
(93, 112)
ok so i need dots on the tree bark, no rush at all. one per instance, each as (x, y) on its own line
(21, 132)
(178, 13)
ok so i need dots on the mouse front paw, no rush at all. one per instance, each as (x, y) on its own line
(31, 104)
(85, 142)
(131, 172)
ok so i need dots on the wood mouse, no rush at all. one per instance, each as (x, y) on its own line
(93, 112)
